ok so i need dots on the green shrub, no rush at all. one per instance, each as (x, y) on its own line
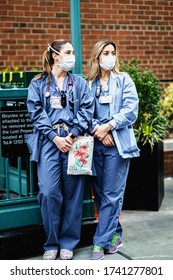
(150, 126)
(167, 103)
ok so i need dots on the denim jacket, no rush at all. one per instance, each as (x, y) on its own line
(124, 110)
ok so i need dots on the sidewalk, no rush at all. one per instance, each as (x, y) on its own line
(147, 235)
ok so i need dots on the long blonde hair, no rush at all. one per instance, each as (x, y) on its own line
(94, 72)
(47, 59)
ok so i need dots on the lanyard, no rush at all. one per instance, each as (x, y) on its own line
(69, 83)
(63, 99)
(99, 89)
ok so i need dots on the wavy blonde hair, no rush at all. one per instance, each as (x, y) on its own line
(94, 72)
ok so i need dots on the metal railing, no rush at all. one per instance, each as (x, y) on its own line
(18, 187)
(18, 183)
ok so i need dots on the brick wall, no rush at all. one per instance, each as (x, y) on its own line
(141, 29)
(26, 29)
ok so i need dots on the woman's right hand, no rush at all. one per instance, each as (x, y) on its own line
(108, 140)
(63, 143)
(100, 131)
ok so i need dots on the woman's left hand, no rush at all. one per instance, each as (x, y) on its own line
(100, 131)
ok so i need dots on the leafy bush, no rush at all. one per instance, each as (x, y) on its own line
(167, 103)
(150, 126)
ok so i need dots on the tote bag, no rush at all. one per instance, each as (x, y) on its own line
(80, 156)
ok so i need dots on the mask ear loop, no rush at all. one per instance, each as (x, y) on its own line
(50, 48)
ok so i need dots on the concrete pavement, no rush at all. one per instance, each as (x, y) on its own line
(147, 235)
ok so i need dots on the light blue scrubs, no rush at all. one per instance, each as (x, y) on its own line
(60, 195)
(112, 163)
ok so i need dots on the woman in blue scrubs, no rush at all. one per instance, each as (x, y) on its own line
(116, 109)
(60, 106)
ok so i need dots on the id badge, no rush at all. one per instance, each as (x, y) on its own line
(55, 102)
(105, 99)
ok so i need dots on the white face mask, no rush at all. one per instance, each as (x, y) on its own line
(68, 62)
(108, 62)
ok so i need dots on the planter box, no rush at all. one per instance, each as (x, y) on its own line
(145, 183)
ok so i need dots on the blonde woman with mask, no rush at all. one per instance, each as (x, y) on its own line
(116, 109)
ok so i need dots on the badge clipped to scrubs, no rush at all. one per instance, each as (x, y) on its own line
(55, 102)
(106, 99)
(47, 94)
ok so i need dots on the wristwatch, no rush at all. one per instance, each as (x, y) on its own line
(111, 126)
(72, 136)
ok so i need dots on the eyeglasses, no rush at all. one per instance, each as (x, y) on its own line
(63, 99)
(98, 90)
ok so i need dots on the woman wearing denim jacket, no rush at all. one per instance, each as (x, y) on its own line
(116, 109)
(60, 106)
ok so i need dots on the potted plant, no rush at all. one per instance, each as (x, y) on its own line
(145, 183)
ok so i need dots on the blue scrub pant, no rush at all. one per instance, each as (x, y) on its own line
(109, 188)
(60, 197)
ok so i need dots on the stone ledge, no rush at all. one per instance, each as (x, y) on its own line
(168, 145)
